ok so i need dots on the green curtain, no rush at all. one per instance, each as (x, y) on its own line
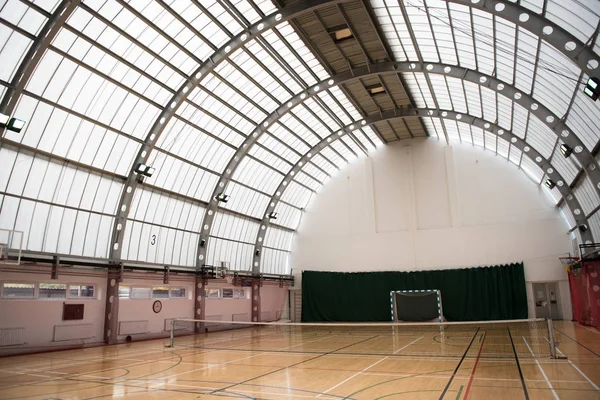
(468, 294)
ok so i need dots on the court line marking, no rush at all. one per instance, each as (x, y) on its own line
(543, 373)
(585, 347)
(580, 371)
(474, 368)
(290, 366)
(367, 368)
(458, 365)
(512, 343)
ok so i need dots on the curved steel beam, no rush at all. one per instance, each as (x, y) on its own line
(182, 94)
(536, 108)
(582, 55)
(35, 54)
(514, 140)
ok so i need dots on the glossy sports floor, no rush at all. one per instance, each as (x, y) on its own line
(363, 363)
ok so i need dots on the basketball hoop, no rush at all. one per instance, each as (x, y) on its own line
(227, 275)
(569, 262)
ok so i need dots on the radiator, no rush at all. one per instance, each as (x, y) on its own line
(12, 336)
(181, 326)
(133, 327)
(266, 316)
(240, 317)
(71, 332)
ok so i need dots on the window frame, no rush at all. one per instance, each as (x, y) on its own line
(17, 281)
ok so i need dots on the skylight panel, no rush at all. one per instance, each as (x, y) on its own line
(457, 94)
(527, 51)
(578, 119)
(483, 35)
(567, 215)
(505, 49)
(473, 99)
(239, 255)
(578, 17)
(477, 135)
(332, 157)
(288, 137)
(289, 217)
(156, 208)
(257, 175)
(295, 121)
(324, 118)
(275, 261)
(419, 22)
(594, 222)
(229, 226)
(503, 148)
(451, 130)
(323, 165)
(278, 239)
(216, 10)
(297, 195)
(490, 141)
(273, 158)
(515, 155)
(520, 116)
(566, 166)
(489, 104)
(505, 109)
(587, 195)
(463, 35)
(540, 137)
(245, 200)
(307, 181)
(342, 149)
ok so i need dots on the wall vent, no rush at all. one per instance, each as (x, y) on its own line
(133, 327)
(72, 332)
(12, 336)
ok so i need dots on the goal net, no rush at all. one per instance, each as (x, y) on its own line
(416, 305)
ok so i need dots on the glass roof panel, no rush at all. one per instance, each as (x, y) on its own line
(228, 226)
(275, 261)
(239, 255)
(587, 195)
(567, 215)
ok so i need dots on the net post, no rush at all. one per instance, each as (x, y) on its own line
(172, 337)
(552, 340)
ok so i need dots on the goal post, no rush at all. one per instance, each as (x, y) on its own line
(418, 305)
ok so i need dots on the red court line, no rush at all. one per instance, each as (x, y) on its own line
(474, 367)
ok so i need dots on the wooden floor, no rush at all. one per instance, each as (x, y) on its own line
(328, 364)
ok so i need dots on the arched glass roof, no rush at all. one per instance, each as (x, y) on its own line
(262, 101)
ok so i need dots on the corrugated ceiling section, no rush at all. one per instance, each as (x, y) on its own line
(457, 34)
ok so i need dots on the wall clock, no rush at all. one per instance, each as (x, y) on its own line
(157, 306)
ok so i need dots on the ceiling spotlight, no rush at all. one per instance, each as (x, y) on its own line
(592, 88)
(222, 197)
(583, 228)
(4, 120)
(16, 125)
(549, 184)
(272, 215)
(566, 150)
(144, 169)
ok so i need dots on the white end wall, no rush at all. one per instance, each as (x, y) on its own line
(418, 205)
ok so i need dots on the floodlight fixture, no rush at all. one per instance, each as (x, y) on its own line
(583, 228)
(272, 215)
(549, 184)
(4, 120)
(592, 88)
(16, 125)
(144, 169)
(222, 197)
(566, 150)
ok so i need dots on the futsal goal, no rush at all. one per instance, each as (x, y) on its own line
(416, 305)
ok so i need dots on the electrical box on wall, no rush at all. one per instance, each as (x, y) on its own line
(72, 312)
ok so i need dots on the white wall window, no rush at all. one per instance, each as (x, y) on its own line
(140, 292)
(124, 291)
(178, 293)
(226, 293)
(160, 292)
(81, 292)
(213, 293)
(18, 290)
(52, 291)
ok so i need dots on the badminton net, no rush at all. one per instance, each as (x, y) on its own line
(532, 338)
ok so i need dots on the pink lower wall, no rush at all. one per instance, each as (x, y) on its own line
(40, 316)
